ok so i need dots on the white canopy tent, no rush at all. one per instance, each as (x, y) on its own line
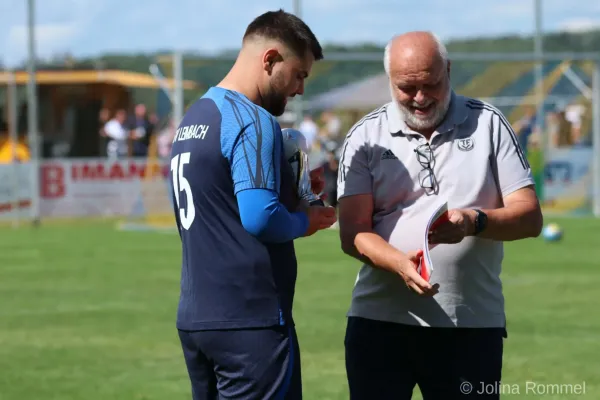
(365, 94)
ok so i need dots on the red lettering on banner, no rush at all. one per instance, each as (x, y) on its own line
(9, 207)
(137, 171)
(87, 172)
(117, 171)
(52, 181)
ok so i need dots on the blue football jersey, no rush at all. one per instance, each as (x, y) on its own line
(229, 278)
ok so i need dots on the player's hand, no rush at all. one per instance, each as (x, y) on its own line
(317, 180)
(414, 281)
(460, 223)
(319, 217)
(303, 206)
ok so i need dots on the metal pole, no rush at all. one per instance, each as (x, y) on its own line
(178, 90)
(539, 80)
(298, 103)
(577, 82)
(164, 86)
(13, 137)
(32, 115)
(596, 136)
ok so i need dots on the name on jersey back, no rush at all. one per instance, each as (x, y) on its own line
(191, 132)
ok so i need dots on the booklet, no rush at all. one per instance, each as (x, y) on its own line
(440, 216)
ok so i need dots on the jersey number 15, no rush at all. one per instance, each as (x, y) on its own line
(181, 184)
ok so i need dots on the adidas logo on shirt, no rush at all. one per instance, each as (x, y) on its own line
(388, 155)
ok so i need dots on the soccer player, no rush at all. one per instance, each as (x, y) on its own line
(238, 213)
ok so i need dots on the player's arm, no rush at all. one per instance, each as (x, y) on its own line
(520, 216)
(355, 209)
(255, 169)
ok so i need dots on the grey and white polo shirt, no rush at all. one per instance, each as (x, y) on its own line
(476, 161)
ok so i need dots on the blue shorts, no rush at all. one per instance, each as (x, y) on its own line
(243, 364)
(385, 360)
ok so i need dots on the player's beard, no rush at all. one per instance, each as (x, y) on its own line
(434, 118)
(275, 99)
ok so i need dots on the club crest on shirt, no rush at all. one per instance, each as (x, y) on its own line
(465, 144)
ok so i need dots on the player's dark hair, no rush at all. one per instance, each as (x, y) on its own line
(288, 29)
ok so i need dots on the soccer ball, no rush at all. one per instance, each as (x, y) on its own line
(295, 149)
(294, 142)
(552, 233)
(296, 153)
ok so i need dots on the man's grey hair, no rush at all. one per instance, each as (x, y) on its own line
(440, 45)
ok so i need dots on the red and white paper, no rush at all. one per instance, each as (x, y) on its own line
(440, 216)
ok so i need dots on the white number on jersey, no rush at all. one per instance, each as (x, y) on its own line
(181, 184)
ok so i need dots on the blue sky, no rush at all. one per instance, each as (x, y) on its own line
(90, 27)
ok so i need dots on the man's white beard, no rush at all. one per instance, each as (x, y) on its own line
(415, 122)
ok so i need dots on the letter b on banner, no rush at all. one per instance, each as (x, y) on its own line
(52, 181)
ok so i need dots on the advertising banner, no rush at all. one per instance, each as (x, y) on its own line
(82, 187)
(134, 187)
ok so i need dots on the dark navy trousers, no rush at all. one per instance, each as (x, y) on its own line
(244, 364)
(386, 361)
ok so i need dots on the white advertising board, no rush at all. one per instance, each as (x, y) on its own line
(82, 187)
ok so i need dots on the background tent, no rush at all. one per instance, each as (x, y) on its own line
(366, 94)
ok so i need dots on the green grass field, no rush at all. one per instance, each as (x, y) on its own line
(87, 312)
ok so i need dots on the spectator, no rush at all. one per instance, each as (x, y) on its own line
(564, 133)
(525, 127)
(117, 134)
(330, 134)
(310, 130)
(140, 128)
(103, 118)
(574, 114)
(333, 126)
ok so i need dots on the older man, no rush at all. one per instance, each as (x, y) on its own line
(399, 163)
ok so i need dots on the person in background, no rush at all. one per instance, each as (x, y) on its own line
(332, 126)
(525, 127)
(564, 132)
(117, 134)
(103, 118)
(329, 134)
(141, 129)
(310, 130)
(574, 113)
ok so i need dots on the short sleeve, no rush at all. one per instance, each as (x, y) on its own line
(255, 159)
(114, 130)
(512, 168)
(354, 174)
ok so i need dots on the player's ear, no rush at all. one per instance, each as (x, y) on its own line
(449, 63)
(270, 57)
